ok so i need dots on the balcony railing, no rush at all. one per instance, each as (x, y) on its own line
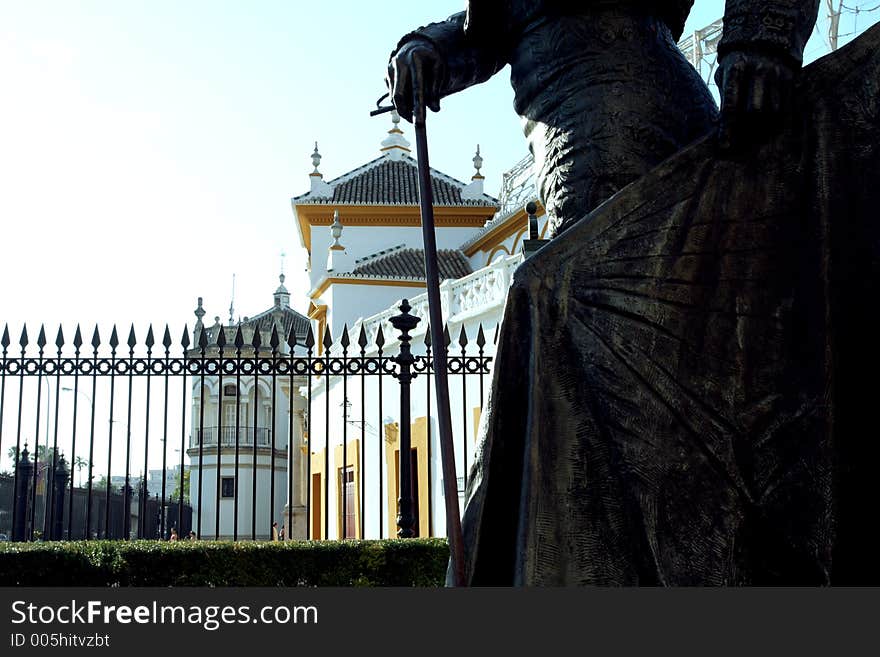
(208, 437)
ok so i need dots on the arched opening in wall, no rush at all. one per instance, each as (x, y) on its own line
(255, 417)
(232, 418)
(203, 419)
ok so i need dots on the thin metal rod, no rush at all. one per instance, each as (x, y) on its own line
(272, 443)
(49, 516)
(3, 365)
(126, 490)
(310, 512)
(88, 532)
(73, 444)
(288, 527)
(327, 442)
(363, 475)
(432, 276)
(165, 449)
(464, 414)
(17, 448)
(381, 442)
(237, 439)
(428, 435)
(142, 515)
(33, 509)
(218, 478)
(107, 489)
(343, 479)
(180, 475)
(254, 467)
(201, 436)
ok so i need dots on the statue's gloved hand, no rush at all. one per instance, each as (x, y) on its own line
(415, 74)
(755, 94)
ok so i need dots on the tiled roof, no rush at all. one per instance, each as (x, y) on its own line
(265, 321)
(409, 263)
(289, 318)
(386, 181)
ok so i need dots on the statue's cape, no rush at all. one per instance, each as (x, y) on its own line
(685, 383)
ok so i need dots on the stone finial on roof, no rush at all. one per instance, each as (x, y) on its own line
(316, 161)
(478, 163)
(199, 312)
(395, 145)
(475, 189)
(336, 232)
(319, 187)
(339, 259)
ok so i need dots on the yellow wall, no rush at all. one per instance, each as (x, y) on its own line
(419, 442)
(353, 460)
(317, 516)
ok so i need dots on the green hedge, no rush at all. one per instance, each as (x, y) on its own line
(411, 562)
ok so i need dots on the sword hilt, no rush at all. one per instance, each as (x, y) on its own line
(380, 108)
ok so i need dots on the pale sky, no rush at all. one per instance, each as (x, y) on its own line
(149, 150)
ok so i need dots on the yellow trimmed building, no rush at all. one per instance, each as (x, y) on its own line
(362, 233)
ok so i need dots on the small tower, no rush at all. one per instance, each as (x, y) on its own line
(282, 296)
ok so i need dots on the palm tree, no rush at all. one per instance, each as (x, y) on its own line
(79, 463)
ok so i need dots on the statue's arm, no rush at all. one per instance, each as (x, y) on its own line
(438, 60)
(761, 50)
(778, 28)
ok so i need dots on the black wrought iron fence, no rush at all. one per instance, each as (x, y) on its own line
(233, 433)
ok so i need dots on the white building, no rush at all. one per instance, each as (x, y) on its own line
(252, 419)
(362, 232)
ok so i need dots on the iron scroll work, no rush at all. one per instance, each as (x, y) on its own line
(295, 360)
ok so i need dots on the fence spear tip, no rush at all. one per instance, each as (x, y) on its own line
(328, 340)
(23, 341)
(5, 340)
(96, 338)
(462, 337)
(166, 339)
(132, 340)
(380, 337)
(345, 341)
(362, 338)
(150, 339)
(310, 338)
(184, 340)
(203, 339)
(114, 338)
(481, 337)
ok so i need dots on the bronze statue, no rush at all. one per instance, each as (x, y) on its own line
(679, 395)
(602, 89)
